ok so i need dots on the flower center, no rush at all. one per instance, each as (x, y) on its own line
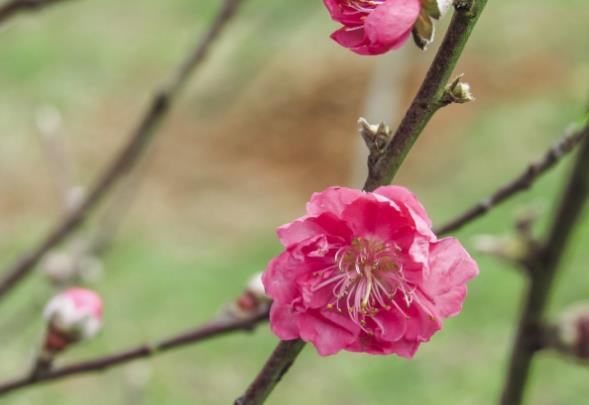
(364, 6)
(365, 280)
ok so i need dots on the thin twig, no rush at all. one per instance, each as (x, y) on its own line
(521, 183)
(210, 330)
(430, 97)
(49, 129)
(127, 158)
(14, 7)
(544, 266)
(423, 107)
(111, 218)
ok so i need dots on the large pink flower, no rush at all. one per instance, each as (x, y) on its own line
(363, 272)
(372, 27)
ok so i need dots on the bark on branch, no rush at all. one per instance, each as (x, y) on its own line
(208, 331)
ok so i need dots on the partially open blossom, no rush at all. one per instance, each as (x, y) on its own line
(572, 333)
(363, 272)
(75, 314)
(372, 27)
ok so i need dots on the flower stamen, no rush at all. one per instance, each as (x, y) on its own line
(366, 277)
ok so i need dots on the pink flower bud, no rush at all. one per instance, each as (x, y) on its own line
(573, 330)
(364, 272)
(74, 314)
(253, 300)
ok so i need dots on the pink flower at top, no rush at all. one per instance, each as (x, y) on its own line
(372, 27)
(363, 272)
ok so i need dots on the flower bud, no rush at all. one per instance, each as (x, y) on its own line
(573, 330)
(75, 314)
(462, 93)
(256, 287)
(251, 302)
(459, 92)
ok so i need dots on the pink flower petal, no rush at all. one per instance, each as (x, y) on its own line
(401, 195)
(282, 322)
(454, 267)
(369, 217)
(391, 23)
(369, 344)
(333, 200)
(394, 325)
(423, 320)
(307, 227)
(327, 336)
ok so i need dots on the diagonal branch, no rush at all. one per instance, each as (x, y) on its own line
(428, 100)
(14, 7)
(544, 266)
(210, 330)
(277, 365)
(521, 183)
(128, 156)
(430, 97)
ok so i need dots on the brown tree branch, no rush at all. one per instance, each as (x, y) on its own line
(277, 365)
(213, 329)
(14, 7)
(430, 97)
(428, 100)
(544, 266)
(127, 157)
(521, 183)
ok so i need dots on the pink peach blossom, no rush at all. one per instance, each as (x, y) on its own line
(372, 27)
(75, 313)
(363, 272)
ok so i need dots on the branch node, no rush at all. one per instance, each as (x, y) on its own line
(457, 92)
(464, 6)
(377, 138)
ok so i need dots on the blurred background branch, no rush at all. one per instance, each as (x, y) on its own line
(545, 263)
(523, 182)
(227, 323)
(127, 157)
(13, 7)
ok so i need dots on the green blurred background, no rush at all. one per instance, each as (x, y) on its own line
(269, 120)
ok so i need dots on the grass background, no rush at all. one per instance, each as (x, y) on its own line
(269, 120)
